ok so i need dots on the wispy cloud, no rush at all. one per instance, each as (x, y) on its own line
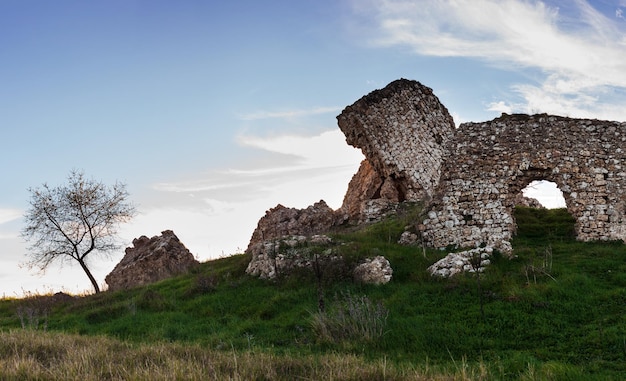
(581, 51)
(328, 149)
(286, 114)
(223, 206)
(289, 158)
(7, 215)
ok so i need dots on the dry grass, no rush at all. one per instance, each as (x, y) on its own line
(36, 355)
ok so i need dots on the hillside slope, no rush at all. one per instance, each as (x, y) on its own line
(557, 310)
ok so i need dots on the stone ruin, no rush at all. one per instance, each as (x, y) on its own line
(151, 260)
(402, 130)
(273, 258)
(391, 126)
(279, 257)
(488, 164)
(469, 178)
(281, 221)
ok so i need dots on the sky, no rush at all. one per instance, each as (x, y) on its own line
(213, 112)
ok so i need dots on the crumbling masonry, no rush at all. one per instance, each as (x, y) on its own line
(488, 164)
(469, 178)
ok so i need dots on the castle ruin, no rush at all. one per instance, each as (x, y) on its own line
(470, 177)
(488, 164)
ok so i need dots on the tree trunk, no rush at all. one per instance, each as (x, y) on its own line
(90, 276)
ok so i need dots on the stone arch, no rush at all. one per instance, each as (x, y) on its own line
(520, 182)
(489, 163)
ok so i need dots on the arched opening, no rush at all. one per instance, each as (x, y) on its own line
(543, 225)
(546, 192)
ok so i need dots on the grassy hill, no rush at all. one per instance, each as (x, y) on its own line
(556, 311)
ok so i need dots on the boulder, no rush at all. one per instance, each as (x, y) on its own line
(408, 238)
(151, 260)
(472, 260)
(375, 270)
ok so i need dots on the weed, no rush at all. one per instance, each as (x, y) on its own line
(203, 284)
(153, 300)
(539, 264)
(49, 356)
(33, 311)
(350, 318)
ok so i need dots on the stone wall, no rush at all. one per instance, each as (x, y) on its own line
(488, 164)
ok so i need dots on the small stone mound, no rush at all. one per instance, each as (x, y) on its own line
(61, 297)
(280, 257)
(151, 260)
(375, 270)
(455, 263)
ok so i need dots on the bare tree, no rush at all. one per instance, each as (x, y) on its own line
(71, 221)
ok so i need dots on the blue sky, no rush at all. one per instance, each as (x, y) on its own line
(215, 111)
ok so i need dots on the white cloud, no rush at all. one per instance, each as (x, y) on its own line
(458, 120)
(329, 149)
(499, 106)
(289, 113)
(9, 235)
(546, 192)
(581, 52)
(7, 215)
(290, 158)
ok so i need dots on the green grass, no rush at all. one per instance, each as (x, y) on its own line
(555, 311)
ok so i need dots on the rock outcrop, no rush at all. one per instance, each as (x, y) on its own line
(281, 221)
(151, 260)
(402, 131)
